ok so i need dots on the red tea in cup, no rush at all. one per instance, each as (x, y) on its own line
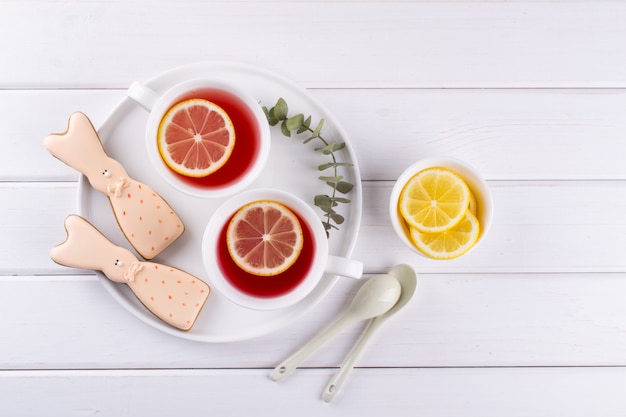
(290, 285)
(252, 135)
(247, 139)
(267, 286)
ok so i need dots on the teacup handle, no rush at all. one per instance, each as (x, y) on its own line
(142, 95)
(345, 267)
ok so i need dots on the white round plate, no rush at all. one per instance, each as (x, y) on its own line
(292, 166)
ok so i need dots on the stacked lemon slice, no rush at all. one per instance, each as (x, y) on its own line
(440, 213)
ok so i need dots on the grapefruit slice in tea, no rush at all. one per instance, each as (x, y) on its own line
(264, 238)
(196, 137)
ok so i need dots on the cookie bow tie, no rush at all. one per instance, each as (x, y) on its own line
(147, 221)
(172, 295)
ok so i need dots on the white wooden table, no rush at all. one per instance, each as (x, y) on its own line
(532, 93)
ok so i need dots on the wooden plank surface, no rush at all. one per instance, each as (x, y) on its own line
(507, 134)
(491, 392)
(532, 93)
(455, 320)
(538, 226)
(345, 44)
(385, 44)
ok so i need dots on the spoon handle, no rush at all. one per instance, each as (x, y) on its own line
(291, 363)
(347, 365)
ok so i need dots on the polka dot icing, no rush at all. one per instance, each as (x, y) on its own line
(175, 296)
(151, 233)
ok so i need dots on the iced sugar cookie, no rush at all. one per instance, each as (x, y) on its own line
(147, 221)
(172, 295)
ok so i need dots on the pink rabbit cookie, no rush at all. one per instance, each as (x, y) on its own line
(147, 221)
(172, 295)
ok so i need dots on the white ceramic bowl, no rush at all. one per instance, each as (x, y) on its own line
(474, 180)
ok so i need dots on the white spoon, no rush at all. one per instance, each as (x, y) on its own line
(377, 295)
(408, 281)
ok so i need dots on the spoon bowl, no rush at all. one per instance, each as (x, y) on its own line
(407, 278)
(376, 296)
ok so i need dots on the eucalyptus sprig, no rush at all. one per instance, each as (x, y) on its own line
(301, 125)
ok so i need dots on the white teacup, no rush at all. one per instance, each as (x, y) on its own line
(222, 273)
(252, 135)
(472, 178)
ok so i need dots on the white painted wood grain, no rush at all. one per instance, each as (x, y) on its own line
(455, 320)
(515, 392)
(522, 134)
(339, 44)
(22, 131)
(28, 210)
(531, 323)
(507, 134)
(538, 226)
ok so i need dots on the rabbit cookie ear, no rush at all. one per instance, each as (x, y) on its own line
(86, 248)
(79, 146)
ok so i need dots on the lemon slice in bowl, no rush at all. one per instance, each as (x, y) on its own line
(434, 200)
(450, 243)
(473, 205)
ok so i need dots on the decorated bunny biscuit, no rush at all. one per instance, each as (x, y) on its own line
(146, 220)
(172, 295)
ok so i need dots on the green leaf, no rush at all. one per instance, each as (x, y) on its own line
(272, 121)
(295, 122)
(307, 140)
(284, 129)
(337, 218)
(344, 187)
(325, 149)
(318, 128)
(336, 178)
(338, 146)
(305, 125)
(270, 116)
(326, 209)
(331, 147)
(322, 200)
(341, 200)
(332, 165)
(281, 109)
